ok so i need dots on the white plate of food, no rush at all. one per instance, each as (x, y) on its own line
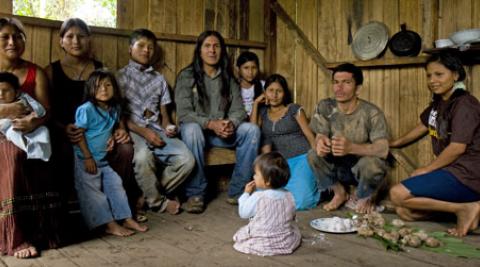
(334, 225)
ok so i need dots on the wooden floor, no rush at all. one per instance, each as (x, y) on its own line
(206, 240)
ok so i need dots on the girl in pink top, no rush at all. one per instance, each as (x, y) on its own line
(271, 210)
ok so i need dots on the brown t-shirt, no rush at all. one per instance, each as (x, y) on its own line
(461, 126)
(365, 125)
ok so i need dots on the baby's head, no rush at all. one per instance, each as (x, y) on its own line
(271, 171)
(9, 86)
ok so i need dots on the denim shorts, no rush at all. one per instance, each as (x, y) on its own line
(440, 185)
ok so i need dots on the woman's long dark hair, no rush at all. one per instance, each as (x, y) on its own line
(16, 24)
(287, 96)
(223, 65)
(91, 88)
(454, 64)
(244, 58)
(74, 22)
(451, 62)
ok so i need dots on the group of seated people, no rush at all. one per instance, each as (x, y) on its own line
(110, 136)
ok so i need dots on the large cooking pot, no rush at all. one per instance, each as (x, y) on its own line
(405, 43)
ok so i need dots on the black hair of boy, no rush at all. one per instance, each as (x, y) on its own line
(287, 96)
(274, 169)
(10, 78)
(141, 33)
(350, 68)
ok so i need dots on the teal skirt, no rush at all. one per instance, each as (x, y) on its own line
(302, 183)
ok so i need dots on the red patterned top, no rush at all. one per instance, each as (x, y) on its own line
(28, 85)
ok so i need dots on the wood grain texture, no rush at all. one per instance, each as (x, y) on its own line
(6, 6)
(41, 45)
(206, 240)
(396, 84)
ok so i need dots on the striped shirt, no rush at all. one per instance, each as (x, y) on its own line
(272, 229)
(144, 89)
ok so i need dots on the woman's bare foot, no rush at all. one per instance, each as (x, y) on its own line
(132, 224)
(114, 228)
(467, 219)
(173, 207)
(339, 197)
(26, 253)
(365, 205)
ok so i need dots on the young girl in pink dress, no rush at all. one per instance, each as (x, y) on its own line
(271, 210)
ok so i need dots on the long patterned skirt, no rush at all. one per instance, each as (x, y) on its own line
(29, 205)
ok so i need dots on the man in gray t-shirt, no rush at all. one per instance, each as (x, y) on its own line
(351, 142)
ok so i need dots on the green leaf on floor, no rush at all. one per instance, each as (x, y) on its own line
(453, 246)
(387, 244)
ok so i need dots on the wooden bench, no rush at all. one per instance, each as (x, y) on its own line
(219, 156)
(223, 156)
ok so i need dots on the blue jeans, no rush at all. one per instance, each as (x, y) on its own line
(246, 141)
(101, 196)
(177, 163)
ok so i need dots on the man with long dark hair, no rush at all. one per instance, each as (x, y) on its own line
(211, 113)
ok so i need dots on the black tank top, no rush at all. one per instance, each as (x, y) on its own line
(67, 94)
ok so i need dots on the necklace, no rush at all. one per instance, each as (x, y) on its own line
(80, 74)
(83, 70)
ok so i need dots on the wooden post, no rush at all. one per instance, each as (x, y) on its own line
(6, 6)
(244, 11)
(301, 37)
(124, 14)
(270, 38)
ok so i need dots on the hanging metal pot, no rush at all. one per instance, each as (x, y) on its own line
(370, 40)
(405, 43)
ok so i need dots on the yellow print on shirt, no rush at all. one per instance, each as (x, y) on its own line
(432, 132)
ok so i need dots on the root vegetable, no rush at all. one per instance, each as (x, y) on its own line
(404, 231)
(398, 223)
(432, 242)
(365, 231)
(392, 236)
(421, 234)
(380, 232)
(414, 241)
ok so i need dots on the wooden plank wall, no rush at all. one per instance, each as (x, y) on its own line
(191, 18)
(401, 90)
(183, 17)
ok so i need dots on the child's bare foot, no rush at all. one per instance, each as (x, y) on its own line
(26, 253)
(467, 219)
(132, 224)
(365, 205)
(114, 228)
(173, 207)
(339, 197)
